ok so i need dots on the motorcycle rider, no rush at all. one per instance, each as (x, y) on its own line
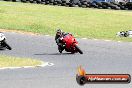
(3, 42)
(2, 37)
(58, 38)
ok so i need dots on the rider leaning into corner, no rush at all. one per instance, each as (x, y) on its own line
(2, 37)
(58, 38)
(3, 41)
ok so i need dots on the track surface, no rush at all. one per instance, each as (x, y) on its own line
(99, 57)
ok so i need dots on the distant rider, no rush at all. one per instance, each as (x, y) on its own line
(2, 37)
(3, 43)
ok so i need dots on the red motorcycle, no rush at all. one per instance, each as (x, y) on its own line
(70, 44)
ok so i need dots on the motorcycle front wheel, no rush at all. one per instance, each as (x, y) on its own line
(7, 46)
(78, 49)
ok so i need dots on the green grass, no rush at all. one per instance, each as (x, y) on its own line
(9, 61)
(82, 22)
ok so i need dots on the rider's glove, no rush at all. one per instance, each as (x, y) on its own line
(61, 38)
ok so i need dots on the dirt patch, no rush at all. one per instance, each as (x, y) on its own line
(21, 32)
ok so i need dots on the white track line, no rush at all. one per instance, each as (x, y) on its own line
(46, 35)
(95, 39)
(107, 40)
(103, 40)
(43, 64)
(118, 41)
(50, 64)
(84, 38)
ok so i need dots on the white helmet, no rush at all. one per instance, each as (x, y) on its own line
(2, 36)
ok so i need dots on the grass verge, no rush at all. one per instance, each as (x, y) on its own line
(82, 22)
(9, 61)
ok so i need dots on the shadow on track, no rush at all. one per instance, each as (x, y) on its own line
(2, 49)
(55, 54)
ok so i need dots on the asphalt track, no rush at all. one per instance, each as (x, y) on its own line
(99, 57)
